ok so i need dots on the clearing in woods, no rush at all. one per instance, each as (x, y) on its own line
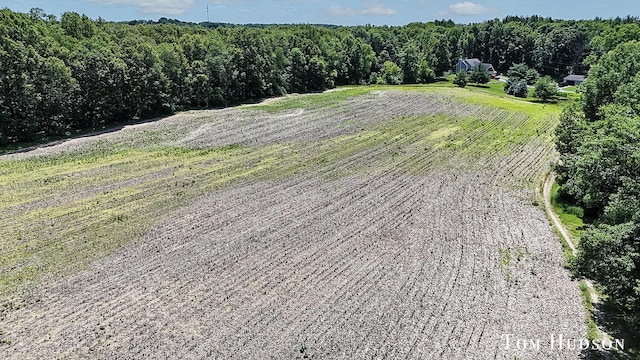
(362, 223)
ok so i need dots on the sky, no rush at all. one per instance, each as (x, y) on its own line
(339, 12)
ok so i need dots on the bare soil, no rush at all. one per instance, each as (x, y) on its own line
(424, 255)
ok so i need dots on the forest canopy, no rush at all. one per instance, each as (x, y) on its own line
(60, 75)
(599, 142)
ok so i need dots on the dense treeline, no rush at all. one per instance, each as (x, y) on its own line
(59, 75)
(599, 142)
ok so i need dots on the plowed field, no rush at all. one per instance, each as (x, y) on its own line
(399, 224)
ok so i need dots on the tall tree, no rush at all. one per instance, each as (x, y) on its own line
(616, 68)
(599, 143)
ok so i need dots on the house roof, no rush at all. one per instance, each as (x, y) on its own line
(489, 67)
(471, 62)
(575, 78)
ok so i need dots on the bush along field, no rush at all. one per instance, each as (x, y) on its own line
(396, 222)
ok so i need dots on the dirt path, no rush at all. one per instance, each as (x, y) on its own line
(548, 185)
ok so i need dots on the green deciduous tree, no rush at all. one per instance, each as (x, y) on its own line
(358, 57)
(546, 89)
(519, 77)
(391, 73)
(518, 72)
(173, 64)
(198, 81)
(604, 153)
(54, 88)
(599, 142)
(609, 254)
(411, 63)
(479, 75)
(425, 74)
(78, 26)
(572, 129)
(461, 79)
(299, 70)
(618, 67)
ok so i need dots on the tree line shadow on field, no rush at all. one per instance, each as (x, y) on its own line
(488, 89)
(602, 314)
(53, 140)
(610, 319)
(607, 319)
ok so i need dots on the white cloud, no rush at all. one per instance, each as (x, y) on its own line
(167, 7)
(228, 1)
(236, 2)
(375, 8)
(467, 9)
(371, 7)
(338, 11)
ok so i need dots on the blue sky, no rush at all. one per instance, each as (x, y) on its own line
(377, 12)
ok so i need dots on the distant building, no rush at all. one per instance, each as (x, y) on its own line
(574, 79)
(469, 64)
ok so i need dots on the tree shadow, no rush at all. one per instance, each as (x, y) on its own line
(544, 102)
(612, 321)
(53, 140)
(46, 141)
(624, 341)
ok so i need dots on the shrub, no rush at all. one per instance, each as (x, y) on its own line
(461, 79)
(575, 210)
(479, 75)
(546, 89)
(517, 88)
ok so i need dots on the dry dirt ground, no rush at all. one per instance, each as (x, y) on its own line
(410, 247)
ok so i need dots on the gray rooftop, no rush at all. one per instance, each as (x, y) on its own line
(575, 78)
